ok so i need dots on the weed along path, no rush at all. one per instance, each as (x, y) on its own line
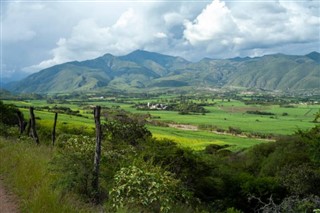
(8, 203)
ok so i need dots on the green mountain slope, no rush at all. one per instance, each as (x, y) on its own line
(142, 70)
(277, 72)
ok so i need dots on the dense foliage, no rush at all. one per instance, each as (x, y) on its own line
(146, 187)
(74, 161)
(8, 118)
(146, 174)
(8, 114)
(121, 126)
(264, 178)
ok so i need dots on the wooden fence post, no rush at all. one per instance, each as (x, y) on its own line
(28, 127)
(33, 126)
(54, 128)
(22, 123)
(97, 155)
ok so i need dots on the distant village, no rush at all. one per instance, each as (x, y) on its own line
(152, 106)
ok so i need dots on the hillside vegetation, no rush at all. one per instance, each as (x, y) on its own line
(139, 173)
(142, 70)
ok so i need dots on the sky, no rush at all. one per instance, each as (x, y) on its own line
(39, 34)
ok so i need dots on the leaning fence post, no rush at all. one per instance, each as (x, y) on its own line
(54, 128)
(33, 126)
(97, 155)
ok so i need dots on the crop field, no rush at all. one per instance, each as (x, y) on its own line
(220, 116)
(198, 140)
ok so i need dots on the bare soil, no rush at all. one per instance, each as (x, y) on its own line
(184, 127)
(189, 127)
(8, 202)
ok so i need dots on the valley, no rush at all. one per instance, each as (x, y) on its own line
(160, 106)
(227, 135)
(237, 122)
(200, 146)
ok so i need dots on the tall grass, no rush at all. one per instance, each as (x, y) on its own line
(25, 169)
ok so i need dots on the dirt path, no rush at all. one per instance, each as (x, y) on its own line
(8, 202)
(189, 127)
(184, 127)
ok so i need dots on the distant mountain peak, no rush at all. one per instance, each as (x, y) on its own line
(144, 54)
(240, 58)
(314, 56)
(108, 55)
(140, 56)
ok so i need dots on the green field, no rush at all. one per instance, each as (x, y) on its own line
(198, 140)
(222, 115)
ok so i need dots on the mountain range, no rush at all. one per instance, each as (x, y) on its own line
(141, 71)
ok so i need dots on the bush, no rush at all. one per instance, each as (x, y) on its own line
(233, 210)
(74, 164)
(234, 130)
(126, 128)
(295, 204)
(7, 131)
(260, 113)
(148, 188)
(8, 114)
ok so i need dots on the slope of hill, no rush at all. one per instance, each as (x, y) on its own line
(277, 72)
(141, 70)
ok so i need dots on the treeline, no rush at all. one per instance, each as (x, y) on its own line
(139, 173)
(256, 112)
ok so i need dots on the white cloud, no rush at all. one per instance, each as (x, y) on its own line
(39, 35)
(90, 40)
(14, 28)
(160, 35)
(236, 27)
(213, 23)
(173, 19)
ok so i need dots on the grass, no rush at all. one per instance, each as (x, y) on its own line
(233, 114)
(198, 140)
(25, 169)
(65, 122)
(222, 115)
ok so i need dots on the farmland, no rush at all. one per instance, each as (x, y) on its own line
(213, 127)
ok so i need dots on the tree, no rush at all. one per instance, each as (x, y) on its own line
(122, 127)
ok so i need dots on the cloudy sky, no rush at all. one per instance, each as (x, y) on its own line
(39, 34)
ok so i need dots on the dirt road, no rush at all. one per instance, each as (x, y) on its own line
(8, 202)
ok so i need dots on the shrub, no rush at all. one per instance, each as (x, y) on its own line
(234, 130)
(74, 163)
(300, 180)
(7, 131)
(260, 113)
(125, 127)
(233, 210)
(148, 188)
(8, 114)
